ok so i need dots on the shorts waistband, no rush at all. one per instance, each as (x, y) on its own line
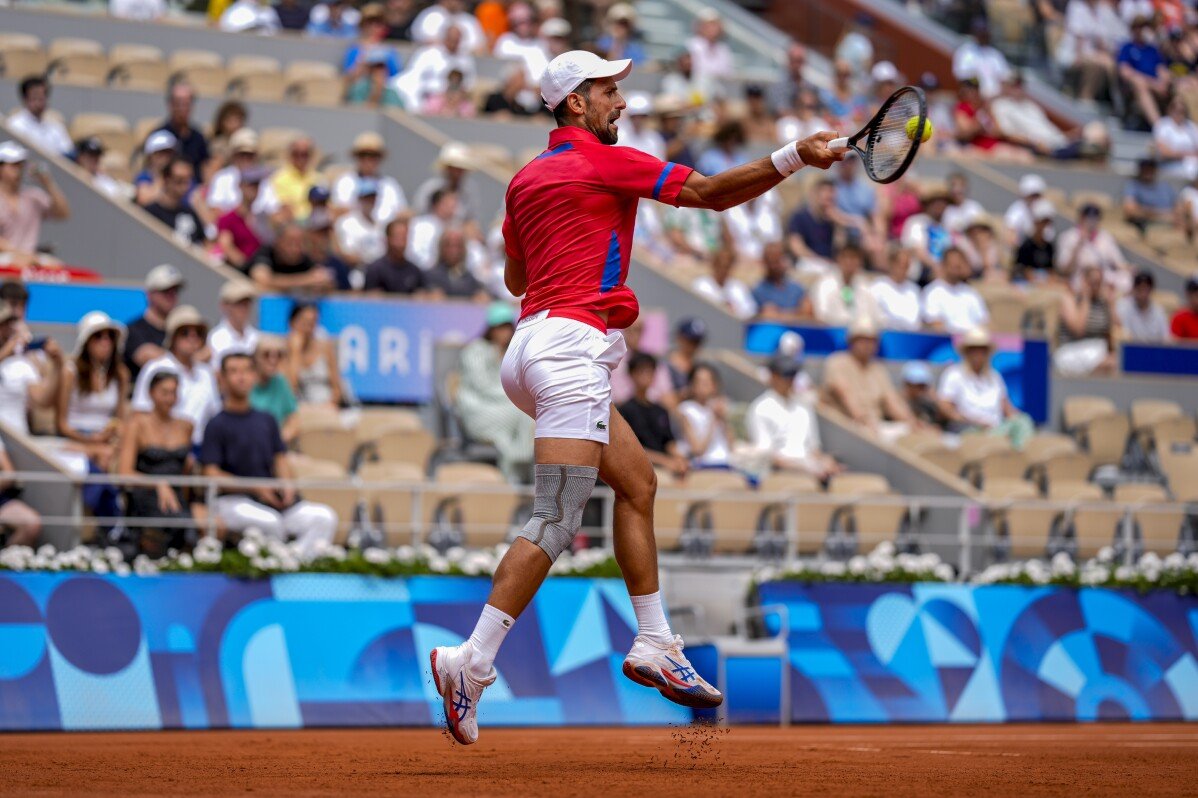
(583, 316)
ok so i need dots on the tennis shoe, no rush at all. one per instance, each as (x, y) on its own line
(459, 689)
(666, 669)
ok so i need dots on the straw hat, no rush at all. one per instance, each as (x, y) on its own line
(978, 337)
(454, 154)
(180, 317)
(92, 323)
(369, 142)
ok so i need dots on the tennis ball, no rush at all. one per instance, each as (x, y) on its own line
(913, 125)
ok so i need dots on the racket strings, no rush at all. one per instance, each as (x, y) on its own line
(888, 144)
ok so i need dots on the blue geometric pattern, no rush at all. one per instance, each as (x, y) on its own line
(206, 651)
(864, 653)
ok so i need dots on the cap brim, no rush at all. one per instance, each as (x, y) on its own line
(618, 69)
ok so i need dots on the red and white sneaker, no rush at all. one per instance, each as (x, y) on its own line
(459, 689)
(666, 669)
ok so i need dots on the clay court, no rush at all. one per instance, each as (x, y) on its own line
(1043, 759)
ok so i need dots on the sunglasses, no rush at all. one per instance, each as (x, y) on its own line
(271, 354)
(189, 332)
(109, 334)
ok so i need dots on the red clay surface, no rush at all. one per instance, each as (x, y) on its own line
(1106, 759)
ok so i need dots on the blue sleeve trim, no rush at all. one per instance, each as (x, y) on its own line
(661, 180)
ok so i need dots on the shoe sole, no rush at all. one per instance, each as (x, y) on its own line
(649, 677)
(450, 716)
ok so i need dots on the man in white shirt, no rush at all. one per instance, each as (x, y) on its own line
(1018, 221)
(88, 154)
(1089, 244)
(635, 132)
(21, 385)
(721, 288)
(199, 399)
(234, 333)
(784, 429)
(250, 16)
(973, 394)
(143, 10)
(1142, 319)
(361, 239)
(521, 42)
(427, 71)
(224, 191)
(33, 125)
(843, 295)
(977, 59)
(369, 152)
(712, 62)
(897, 297)
(961, 208)
(424, 237)
(951, 304)
(430, 25)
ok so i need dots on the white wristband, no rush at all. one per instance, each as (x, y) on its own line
(786, 160)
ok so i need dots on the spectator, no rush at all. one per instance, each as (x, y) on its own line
(622, 39)
(230, 117)
(925, 233)
(845, 106)
(30, 122)
(272, 394)
(91, 394)
(895, 295)
(521, 42)
(368, 153)
(858, 385)
(636, 132)
(961, 207)
(978, 60)
(857, 201)
(189, 141)
(1035, 260)
(454, 164)
(293, 14)
(369, 49)
(856, 47)
(311, 364)
(975, 127)
(22, 522)
(1148, 200)
(777, 297)
(784, 429)
(455, 100)
(15, 297)
(761, 125)
(721, 288)
(514, 96)
(661, 389)
(786, 92)
(951, 304)
(681, 80)
(727, 150)
(373, 88)
(710, 54)
(451, 277)
(393, 273)
(1187, 202)
(1176, 138)
(987, 260)
(812, 232)
(942, 102)
(650, 421)
(703, 420)
(319, 249)
(159, 443)
(141, 10)
(160, 149)
(921, 399)
(234, 333)
(1018, 221)
(245, 443)
(238, 231)
(485, 412)
(1089, 244)
(754, 225)
(22, 208)
(689, 336)
(431, 23)
(284, 267)
(22, 387)
(89, 154)
(843, 295)
(335, 19)
(427, 73)
(974, 395)
(1143, 70)
(425, 232)
(171, 206)
(898, 202)
(1023, 123)
(1140, 317)
(1089, 327)
(885, 79)
(1185, 320)
(147, 334)
(224, 188)
(801, 120)
(292, 183)
(1091, 30)
(186, 332)
(250, 16)
(360, 238)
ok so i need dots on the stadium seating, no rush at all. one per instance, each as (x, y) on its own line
(470, 504)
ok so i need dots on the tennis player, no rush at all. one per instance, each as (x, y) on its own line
(568, 237)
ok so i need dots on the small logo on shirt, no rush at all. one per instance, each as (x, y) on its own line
(506, 623)
(600, 425)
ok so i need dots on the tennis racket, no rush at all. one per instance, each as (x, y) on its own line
(883, 144)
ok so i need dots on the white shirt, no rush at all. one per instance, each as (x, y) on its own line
(1089, 31)
(959, 307)
(531, 52)
(430, 24)
(978, 398)
(987, 64)
(783, 426)
(199, 400)
(1189, 196)
(111, 187)
(427, 73)
(754, 223)
(711, 64)
(224, 193)
(733, 295)
(899, 306)
(1180, 138)
(1018, 219)
(1027, 120)
(387, 204)
(223, 339)
(360, 237)
(831, 306)
(17, 374)
(957, 216)
(701, 420)
(646, 140)
(46, 134)
(137, 9)
(249, 16)
(424, 240)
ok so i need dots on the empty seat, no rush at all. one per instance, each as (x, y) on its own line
(259, 87)
(473, 499)
(1062, 468)
(1023, 527)
(317, 416)
(1146, 412)
(141, 131)
(188, 58)
(998, 465)
(1094, 525)
(1046, 445)
(1169, 301)
(977, 445)
(208, 81)
(19, 41)
(241, 65)
(1007, 313)
(329, 443)
(128, 53)
(727, 509)
(1169, 431)
(946, 459)
(871, 521)
(376, 421)
(390, 508)
(316, 91)
(301, 70)
(1180, 466)
(274, 141)
(70, 45)
(1105, 438)
(1078, 411)
(1157, 521)
(140, 76)
(111, 129)
(920, 441)
(18, 63)
(80, 69)
(1099, 198)
(413, 446)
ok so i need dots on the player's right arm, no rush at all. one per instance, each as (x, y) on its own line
(515, 278)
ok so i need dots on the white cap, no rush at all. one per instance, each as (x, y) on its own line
(639, 103)
(1043, 209)
(11, 152)
(884, 72)
(163, 277)
(709, 15)
(565, 72)
(555, 27)
(160, 140)
(1031, 184)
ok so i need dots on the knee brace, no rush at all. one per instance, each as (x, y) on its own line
(561, 493)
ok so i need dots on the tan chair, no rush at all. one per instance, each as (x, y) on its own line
(484, 517)
(1169, 301)
(1000, 465)
(376, 421)
(946, 459)
(977, 445)
(1146, 412)
(301, 70)
(872, 523)
(1007, 314)
(316, 91)
(80, 69)
(142, 130)
(1064, 468)
(140, 76)
(318, 417)
(344, 500)
(1093, 526)
(330, 443)
(241, 65)
(127, 53)
(1078, 411)
(1181, 469)
(1169, 431)
(208, 81)
(413, 446)
(813, 509)
(1158, 521)
(1105, 439)
(17, 63)
(1024, 527)
(259, 87)
(1046, 445)
(112, 130)
(274, 141)
(186, 58)
(1099, 198)
(920, 441)
(391, 508)
(728, 509)
(19, 41)
(69, 46)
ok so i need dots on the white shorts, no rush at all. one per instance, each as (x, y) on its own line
(558, 371)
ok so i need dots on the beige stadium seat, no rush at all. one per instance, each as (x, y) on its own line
(813, 509)
(484, 516)
(1000, 465)
(140, 76)
(258, 87)
(1172, 430)
(1025, 527)
(1146, 412)
(945, 459)
(19, 41)
(80, 69)
(1180, 464)
(111, 129)
(1159, 522)
(921, 441)
(117, 165)
(1079, 411)
(316, 91)
(977, 445)
(129, 53)
(413, 446)
(872, 523)
(1170, 301)
(141, 131)
(1046, 445)
(18, 63)
(1105, 439)
(208, 81)
(69, 45)
(329, 443)
(1063, 468)
(1094, 525)
(495, 154)
(727, 508)
(344, 499)
(300, 70)
(376, 421)
(242, 65)
(1007, 313)
(390, 508)
(318, 417)
(1099, 198)
(188, 58)
(1165, 239)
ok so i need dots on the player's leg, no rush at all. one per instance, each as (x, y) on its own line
(656, 659)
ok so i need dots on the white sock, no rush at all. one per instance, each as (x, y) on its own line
(651, 618)
(492, 627)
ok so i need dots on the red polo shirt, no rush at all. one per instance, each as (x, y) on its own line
(570, 219)
(1185, 324)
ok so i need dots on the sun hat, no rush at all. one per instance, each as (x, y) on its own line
(180, 317)
(92, 323)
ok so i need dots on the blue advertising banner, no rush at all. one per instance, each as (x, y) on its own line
(51, 303)
(385, 346)
(935, 652)
(198, 651)
(1023, 363)
(1177, 359)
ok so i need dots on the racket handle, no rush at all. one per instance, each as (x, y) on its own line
(841, 143)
